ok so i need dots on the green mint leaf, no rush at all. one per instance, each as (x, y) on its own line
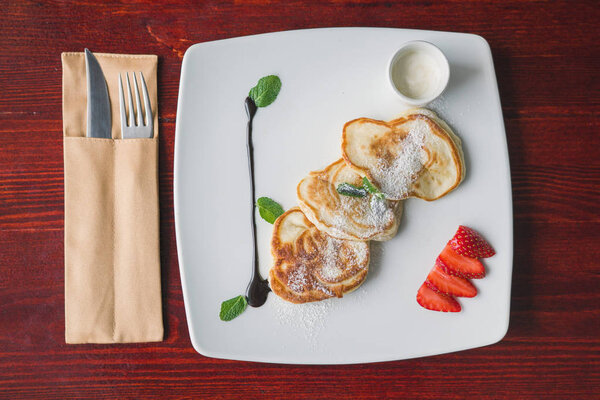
(266, 90)
(372, 189)
(232, 308)
(348, 189)
(269, 209)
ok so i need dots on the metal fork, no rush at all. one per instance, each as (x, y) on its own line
(137, 125)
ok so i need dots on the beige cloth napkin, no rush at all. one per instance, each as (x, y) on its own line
(112, 260)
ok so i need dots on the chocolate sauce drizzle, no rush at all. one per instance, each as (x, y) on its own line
(258, 288)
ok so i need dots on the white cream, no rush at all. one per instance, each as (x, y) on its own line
(417, 74)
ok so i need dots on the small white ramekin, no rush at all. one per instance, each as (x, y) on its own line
(442, 64)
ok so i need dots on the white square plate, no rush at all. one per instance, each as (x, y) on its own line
(330, 76)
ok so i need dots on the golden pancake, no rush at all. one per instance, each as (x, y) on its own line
(346, 217)
(310, 265)
(415, 155)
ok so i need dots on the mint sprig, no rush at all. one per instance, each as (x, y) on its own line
(372, 188)
(266, 90)
(348, 189)
(232, 308)
(269, 209)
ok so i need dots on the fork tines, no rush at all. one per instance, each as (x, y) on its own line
(136, 124)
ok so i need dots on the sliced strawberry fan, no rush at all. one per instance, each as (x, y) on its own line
(457, 263)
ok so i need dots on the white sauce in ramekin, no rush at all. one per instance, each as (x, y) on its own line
(416, 74)
(419, 72)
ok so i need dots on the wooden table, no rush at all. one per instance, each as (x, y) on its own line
(547, 60)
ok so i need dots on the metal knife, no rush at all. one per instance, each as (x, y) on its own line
(98, 103)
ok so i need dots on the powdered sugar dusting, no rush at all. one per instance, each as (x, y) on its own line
(298, 279)
(439, 105)
(379, 213)
(307, 319)
(366, 216)
(323, 288)
(333, 262)
(448, 114)
(360, 255)
(396, 179)
(330, 269)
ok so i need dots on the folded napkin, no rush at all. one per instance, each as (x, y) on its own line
(112, 260)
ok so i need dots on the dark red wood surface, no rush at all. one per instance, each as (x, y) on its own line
(547, 58)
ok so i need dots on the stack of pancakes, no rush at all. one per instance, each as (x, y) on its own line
(320, 248)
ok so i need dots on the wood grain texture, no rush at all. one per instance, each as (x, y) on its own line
(546, 55)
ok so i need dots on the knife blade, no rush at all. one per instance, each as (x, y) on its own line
(98, 103)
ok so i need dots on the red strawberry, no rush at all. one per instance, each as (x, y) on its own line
(469, 243)
(455, 264)
(445, 283)
(436, 301)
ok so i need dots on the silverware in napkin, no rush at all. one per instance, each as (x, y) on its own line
(98, 104)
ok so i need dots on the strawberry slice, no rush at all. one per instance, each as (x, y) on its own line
(436, 301)
(455, 264)
(448, 284)
(469, 243)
